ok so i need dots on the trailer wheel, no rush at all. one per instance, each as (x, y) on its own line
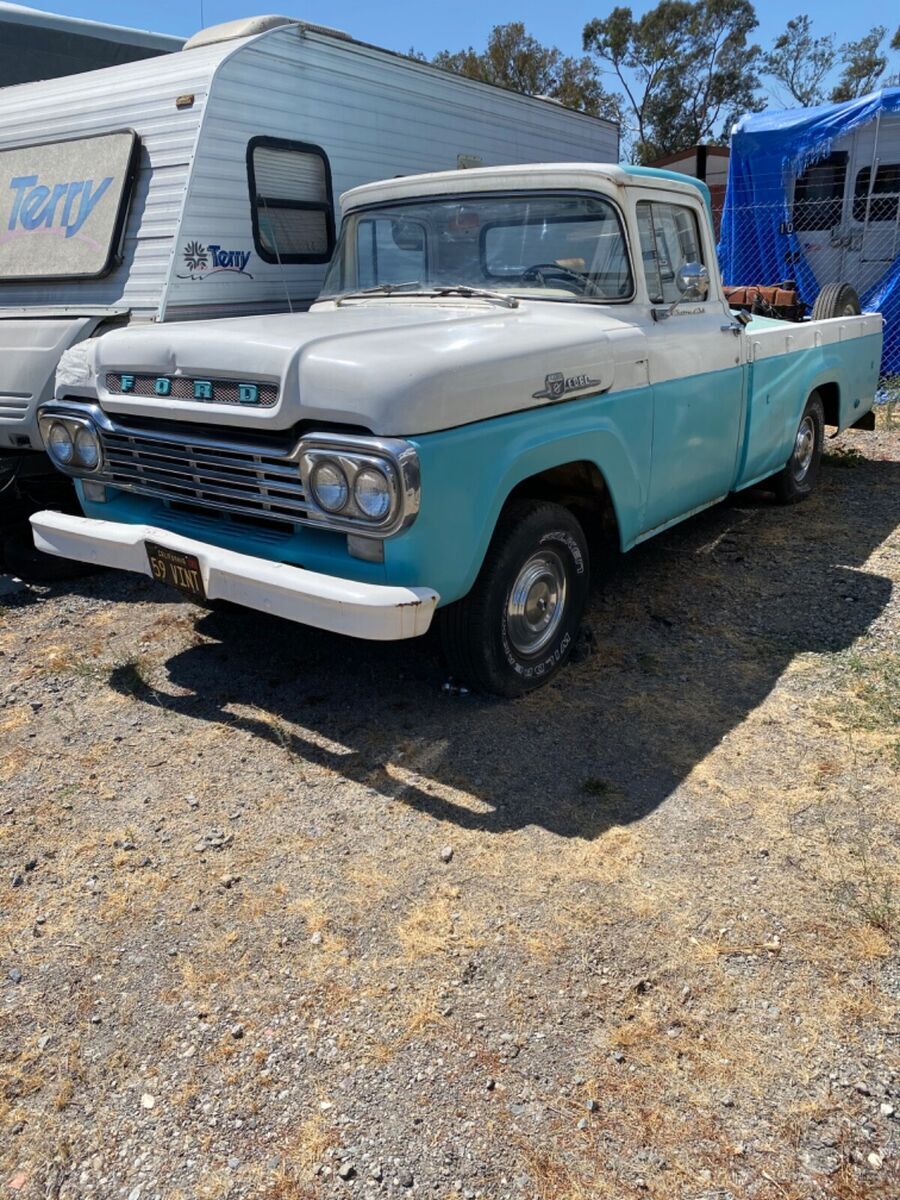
(518, 625)
(797, 478)
(836, 300)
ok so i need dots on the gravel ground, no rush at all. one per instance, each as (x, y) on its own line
(284, 919)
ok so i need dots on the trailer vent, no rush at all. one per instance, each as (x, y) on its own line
(246, 27)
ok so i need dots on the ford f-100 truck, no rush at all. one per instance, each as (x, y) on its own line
(502, 362)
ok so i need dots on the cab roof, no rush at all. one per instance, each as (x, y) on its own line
(527, 175)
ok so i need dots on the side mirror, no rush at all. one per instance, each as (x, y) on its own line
(692, 281)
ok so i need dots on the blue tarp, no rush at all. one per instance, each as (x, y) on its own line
(756, 242)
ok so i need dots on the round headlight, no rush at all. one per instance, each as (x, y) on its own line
(329, 486)
(87, 449)
(59, 444)
(372, 494)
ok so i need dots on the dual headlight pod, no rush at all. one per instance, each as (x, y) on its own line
(73, 444)
(351, 486)
(371, 492)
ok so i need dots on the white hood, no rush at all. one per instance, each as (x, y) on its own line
(392, 366)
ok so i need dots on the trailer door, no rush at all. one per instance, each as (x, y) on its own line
(818, 215)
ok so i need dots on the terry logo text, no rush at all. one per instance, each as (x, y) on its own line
(202, 261)
(63, 206)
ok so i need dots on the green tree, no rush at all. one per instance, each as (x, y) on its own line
(800, 62)
(864, 64)
(514, 59)
(686, 68)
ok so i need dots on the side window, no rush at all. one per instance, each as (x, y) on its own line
(819, 193)
(885, 193)
(290, 201)
(670, 237)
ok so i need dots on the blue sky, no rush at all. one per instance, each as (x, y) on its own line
(431, 27)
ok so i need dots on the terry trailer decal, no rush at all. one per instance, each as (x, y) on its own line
(37, 204)
(62, 206)
(202, 260)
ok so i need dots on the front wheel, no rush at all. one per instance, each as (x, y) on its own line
(517, 626)
(797, 478)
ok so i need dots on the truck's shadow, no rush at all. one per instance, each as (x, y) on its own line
(693, 631)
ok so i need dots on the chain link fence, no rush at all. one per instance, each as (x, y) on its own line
(815, 198)
(866, 255)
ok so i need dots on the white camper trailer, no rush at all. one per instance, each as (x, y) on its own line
(202, 183)
(814, 197)
(845, 205)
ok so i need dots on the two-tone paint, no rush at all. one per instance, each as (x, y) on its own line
(674, 414)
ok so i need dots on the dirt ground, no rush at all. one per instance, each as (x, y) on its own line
(282, 918)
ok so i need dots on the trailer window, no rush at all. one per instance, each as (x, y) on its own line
(819, 193)
(63, 206)
(670, 237)
(290, 197)
(885, 193)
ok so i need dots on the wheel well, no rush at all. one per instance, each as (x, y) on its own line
(830, 395)
(580, 487)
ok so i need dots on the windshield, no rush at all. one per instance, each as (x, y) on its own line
(543, 245)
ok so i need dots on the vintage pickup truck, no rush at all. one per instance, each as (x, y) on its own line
(502, 363)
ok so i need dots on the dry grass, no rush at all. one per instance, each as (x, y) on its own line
(726, 938)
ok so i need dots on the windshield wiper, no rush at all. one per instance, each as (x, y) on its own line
(381, 289)
(449, 289)
(463, 289)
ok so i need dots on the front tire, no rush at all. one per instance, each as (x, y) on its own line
(517, 626)
(796, 480)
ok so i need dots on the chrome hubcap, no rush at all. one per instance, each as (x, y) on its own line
(536, 603)
(804, 447)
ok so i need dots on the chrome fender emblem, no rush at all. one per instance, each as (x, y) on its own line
(557, 385)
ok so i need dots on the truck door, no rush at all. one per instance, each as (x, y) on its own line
(695, 368)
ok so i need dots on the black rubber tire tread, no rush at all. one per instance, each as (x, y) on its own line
(466, 626)
(833, 299)
(787, 490)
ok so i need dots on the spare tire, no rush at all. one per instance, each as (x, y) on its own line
(836, 300)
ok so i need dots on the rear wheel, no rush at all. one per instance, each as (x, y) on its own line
(799, 475)
(517, 626)
(836, 300)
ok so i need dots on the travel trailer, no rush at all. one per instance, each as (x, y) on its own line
(814, 196)
(202, 184)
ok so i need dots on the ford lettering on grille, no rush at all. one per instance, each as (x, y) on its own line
(179, 387)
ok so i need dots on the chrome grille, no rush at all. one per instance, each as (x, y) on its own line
(224, 391)
(249, 481)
